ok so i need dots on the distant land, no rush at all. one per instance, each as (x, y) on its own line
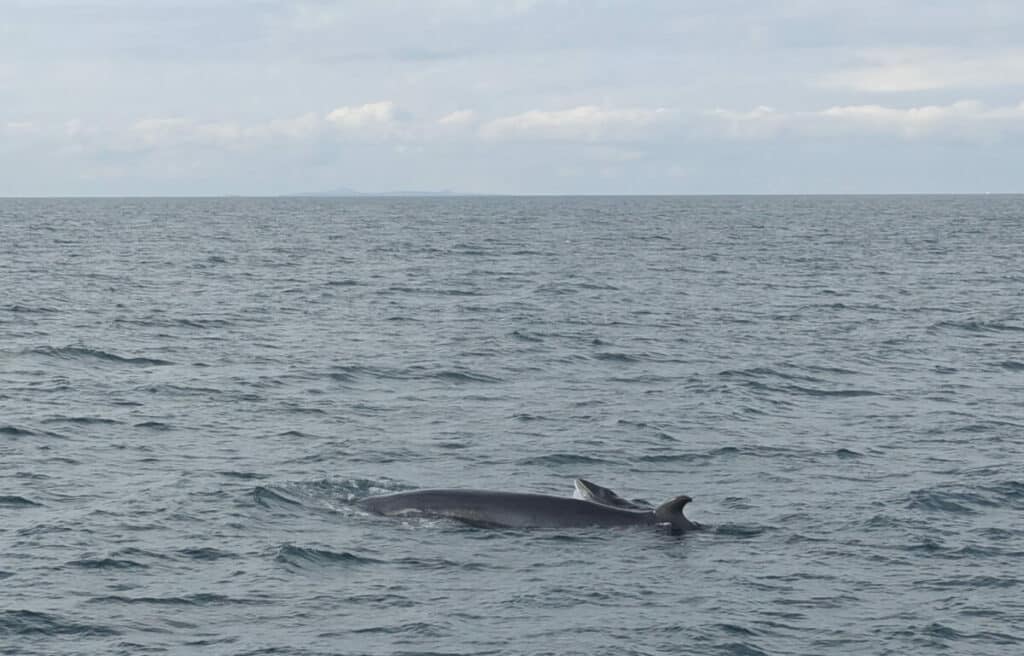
(345, 191)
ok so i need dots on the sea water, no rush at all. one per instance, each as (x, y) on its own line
(194, 393)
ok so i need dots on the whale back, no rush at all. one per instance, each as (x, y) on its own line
(522, 510)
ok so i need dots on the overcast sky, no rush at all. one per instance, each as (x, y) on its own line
(199, 97)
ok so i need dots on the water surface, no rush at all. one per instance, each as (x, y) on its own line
(194, 391)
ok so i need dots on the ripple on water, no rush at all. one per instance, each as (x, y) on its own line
(945, 500)
(205, 553)
(267, 497)
(15, 501)
(32, 623)
(106, 564)
(314, 557)
(197, 599)
(86, 353)
(561, 459)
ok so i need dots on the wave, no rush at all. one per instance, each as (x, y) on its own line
(17, 308)
(324, 495)
(86, 421)
(977, 326)
(106, 563)
(180, 390)
(86, 353)
(161, 322)
(416, 628)
(563, 459)
(526, 336)
(948, 501)
(844, 393)
(27, 622)
(246, 476)
(303, 557)
(465, 377)
(739, 530)
(203, 323)
(205, 553)
(14, 501)
(986, 426)
(352, 373)
(612, 356)
(975, 582)
(692, 456)
(405, 289)
(198, 599)
(154, 425)
(765, 372)
(796, 383)
(267, 497)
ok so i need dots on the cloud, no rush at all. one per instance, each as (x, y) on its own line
(20, 127)
(894, 70)
(361, 116)
(762, 121)
(170, 132)
(299, 127)
(907, 122)
(347, 122)
(965, 119)
(460, 117)
(584, 123)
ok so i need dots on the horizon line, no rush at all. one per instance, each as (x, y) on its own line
(459, 194)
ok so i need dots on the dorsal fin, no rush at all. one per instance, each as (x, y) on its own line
(671, 512)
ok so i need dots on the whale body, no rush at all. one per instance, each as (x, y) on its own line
(525, 510)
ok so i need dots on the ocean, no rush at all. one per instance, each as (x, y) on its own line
(194, 394)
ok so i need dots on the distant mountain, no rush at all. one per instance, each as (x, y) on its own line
(344, 192)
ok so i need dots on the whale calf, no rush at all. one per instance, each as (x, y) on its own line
(496, 509)
(587, 491)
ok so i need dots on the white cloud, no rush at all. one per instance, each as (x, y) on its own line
(356, 121)
(74, 127)
(892, 70)
(300, 127)
(460, 117)
(376, 113)
(965, 119)
(156, 132)
(601, 153)
(584, 123)
(176, 131)
(762, 121)
(910, 121)
(20, 127)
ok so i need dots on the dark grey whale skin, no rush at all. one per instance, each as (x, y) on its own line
(524, 510)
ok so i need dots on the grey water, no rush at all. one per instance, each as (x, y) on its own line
(195, 392)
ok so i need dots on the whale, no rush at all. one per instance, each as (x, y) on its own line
(500, 509)
(588, 491)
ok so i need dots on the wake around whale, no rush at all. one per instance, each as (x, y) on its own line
(593, 506)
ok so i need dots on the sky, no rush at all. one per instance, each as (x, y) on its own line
(267, 97)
